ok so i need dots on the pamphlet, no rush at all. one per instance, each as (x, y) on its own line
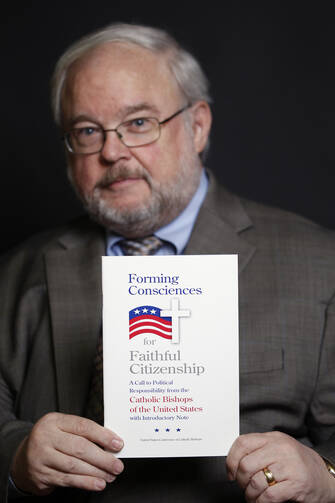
(170, 349)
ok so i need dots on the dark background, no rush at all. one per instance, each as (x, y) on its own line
(271, 65)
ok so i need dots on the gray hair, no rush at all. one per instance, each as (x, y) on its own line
(186, 70)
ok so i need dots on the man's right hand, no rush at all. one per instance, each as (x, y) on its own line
(68, 451)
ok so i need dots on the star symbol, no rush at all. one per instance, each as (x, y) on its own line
(178, 429)
(153, 311)
(167, 429)
(137, 311)
(156, 430)
(144, 310)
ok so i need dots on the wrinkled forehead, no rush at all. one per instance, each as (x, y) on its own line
(123, 74)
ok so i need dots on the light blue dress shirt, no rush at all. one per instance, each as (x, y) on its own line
(175, 234)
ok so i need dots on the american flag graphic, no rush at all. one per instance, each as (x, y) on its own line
(148, 320)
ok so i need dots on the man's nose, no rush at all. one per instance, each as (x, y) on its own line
(113, 148)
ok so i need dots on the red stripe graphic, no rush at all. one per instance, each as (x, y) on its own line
(150, 324)
(149, 331)
(149, 316)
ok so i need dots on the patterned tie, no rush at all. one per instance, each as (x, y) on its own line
(94, 409)
(145, 246)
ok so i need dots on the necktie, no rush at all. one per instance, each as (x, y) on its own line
(94, 409)
(145, 246)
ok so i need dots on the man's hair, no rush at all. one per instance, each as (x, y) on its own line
(185, 68)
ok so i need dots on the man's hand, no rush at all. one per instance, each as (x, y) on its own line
(68, 451)
(300, 473)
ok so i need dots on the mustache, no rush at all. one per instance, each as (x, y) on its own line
(119, 173)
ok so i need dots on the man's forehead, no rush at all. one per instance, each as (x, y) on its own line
(124, 57)
(131, 77)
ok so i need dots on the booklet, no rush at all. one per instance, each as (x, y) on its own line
(170, 349)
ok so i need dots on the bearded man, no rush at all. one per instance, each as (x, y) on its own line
(134, 110)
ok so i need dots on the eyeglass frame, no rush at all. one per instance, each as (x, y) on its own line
(115, 130)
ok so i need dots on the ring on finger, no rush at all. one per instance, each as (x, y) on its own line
(269, 476)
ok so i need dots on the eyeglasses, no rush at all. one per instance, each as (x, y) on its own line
(133, 133)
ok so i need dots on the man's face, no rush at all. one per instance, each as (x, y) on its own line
(132, 191)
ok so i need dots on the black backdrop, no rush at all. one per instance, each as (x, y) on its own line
(271, 66)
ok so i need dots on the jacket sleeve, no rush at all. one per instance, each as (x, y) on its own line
(321, 420)
(23, 307)
(11, 435)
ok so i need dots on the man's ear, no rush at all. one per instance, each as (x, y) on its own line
(201, 124)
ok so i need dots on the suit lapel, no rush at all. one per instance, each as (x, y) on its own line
(74, 285)
(220, 221)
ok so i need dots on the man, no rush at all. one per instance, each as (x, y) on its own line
(134, 110)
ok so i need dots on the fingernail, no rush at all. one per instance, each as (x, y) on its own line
(117, 467)
(110, 478)
(117, 443)
(100, 484)
(230, 476)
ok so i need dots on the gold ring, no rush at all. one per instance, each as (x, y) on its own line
(269, 477)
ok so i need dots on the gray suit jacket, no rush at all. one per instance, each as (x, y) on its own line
(50, 297)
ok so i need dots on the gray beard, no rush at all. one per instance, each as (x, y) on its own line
(137, 222)
(167, 200)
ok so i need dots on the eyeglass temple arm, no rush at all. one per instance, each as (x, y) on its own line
(175, 114)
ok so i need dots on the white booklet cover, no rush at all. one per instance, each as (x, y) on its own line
(170, 349)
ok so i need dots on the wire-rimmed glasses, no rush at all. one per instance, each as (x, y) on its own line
(133, 133)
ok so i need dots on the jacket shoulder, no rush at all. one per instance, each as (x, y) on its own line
(26, 260)
(288, 233)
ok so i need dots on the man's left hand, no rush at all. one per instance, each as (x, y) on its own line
(299, 473)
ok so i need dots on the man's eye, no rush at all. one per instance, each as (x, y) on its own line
(86, 131)
(139, 122)
(84, 136)
(139, 125)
